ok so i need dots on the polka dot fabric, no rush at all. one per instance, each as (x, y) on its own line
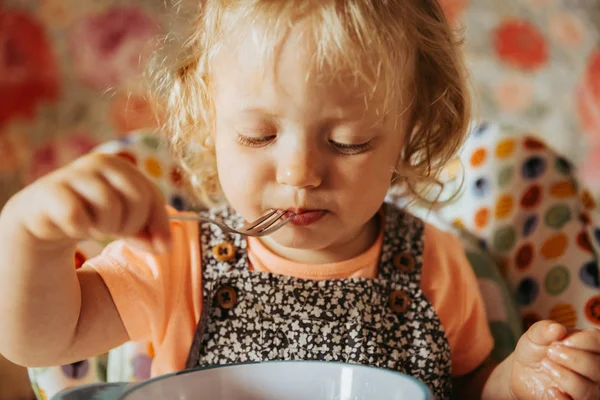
(525, 204)
(151, 155)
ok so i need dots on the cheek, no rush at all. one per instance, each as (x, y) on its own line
(374, 170)
(364, 184)
(243, 176)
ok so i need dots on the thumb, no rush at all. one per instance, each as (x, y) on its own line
(544, 333)
(533, 345)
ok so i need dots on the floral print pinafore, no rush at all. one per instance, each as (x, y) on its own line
(386, 322)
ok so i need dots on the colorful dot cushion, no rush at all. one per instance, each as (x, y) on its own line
(525, 204)
(151, 155)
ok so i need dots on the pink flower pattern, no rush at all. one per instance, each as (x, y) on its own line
(107, 47)
(28, 73)
(58, 152)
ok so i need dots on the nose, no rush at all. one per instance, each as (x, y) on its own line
(299, 168)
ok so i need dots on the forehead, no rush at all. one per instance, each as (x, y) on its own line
(250, 63)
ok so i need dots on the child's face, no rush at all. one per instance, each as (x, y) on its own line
(285, 142)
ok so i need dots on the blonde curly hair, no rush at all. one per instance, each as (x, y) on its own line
(405, 48)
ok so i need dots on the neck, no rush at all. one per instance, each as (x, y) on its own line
(354, 246)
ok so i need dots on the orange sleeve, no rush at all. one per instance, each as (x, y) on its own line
(152, 293)
(450, 284)
(138, 284)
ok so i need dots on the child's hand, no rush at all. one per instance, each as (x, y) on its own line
(97, 195)
(551, 363)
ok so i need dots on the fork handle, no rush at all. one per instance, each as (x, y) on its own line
(224, 227)
(189, 218)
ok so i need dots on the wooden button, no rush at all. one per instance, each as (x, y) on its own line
(223, 251)
(226, 297)
(404, 262)
(399, 301)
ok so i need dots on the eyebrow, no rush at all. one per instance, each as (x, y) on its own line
(258, 110)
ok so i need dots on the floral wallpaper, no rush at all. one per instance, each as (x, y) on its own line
(69, 80)
(70, 75)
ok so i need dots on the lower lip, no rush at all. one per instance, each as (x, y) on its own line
(306, 218)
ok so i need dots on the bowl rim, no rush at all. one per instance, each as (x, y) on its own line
(421, 385)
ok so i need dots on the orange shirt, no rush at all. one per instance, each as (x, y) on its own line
(159, 298)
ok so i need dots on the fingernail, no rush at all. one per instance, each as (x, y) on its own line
(568, 343)
(557, 328)
(556, 352)
(160, 246)
(167, 242)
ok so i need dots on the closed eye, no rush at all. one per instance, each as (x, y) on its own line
(254, 141)
(352, 149)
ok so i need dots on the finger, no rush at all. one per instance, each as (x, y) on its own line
(103, 201)
(571, 383)
(555, 394)
(587, 339)
(66, 216)
(136, 198)
(544, 333)
(533, 345)
(583, 362)
(154, 232)
(158, 226)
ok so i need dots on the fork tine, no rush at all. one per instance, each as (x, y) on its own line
(261, 227)
(254, 224)
(272, 228)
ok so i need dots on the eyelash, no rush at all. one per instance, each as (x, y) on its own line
(254, 142)
(342, 148)
(351, 149)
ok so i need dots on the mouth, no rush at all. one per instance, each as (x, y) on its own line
(303, 217)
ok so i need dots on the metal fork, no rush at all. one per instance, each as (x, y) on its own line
(263, 226)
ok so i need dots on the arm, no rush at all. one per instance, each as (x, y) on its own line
(489, 381)
(57, 315)
(44, 297)
(14, 382)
